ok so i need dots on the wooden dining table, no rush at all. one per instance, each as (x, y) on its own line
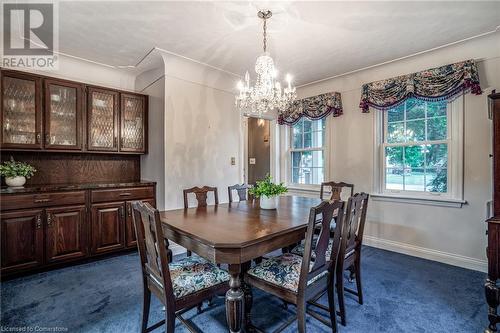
(235, 234)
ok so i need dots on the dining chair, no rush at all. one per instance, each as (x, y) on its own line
(201, 194)
(181, 285)
(242, 191)
(350, 249)
(335, 190)
(298, 280)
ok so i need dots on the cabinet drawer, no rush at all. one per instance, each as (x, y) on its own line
(21, 201)
(122, 194)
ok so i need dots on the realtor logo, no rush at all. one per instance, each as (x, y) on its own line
(29, 37)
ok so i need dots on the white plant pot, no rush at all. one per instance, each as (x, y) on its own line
(268, 202)
(18, 181)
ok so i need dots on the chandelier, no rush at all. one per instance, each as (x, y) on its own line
(267, 93)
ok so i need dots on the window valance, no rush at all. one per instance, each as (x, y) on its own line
(315, 107)
(436, 84)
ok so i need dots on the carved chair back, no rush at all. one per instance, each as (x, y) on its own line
(153, 251)
(324, 213)
(242, 191)
(335, 189)
(354, 224)
(201, 194)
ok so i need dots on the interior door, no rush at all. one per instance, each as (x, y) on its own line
(108, 227)
(66, 233)
(20, 111)
(102, 124)
(133, 122)
(22, 239)
(259, 149)
(63, 115)
(130, 232)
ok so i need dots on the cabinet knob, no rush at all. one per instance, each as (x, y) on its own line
(38, 221)
(49, 220)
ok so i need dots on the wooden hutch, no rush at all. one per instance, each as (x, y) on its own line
(491, 289)
(85, 142)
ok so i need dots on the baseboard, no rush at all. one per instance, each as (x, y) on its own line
(425, 253)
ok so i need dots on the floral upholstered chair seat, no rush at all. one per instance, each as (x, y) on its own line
(192, 274)
(299, 250)
(283, 271)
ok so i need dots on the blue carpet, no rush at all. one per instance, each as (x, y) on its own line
(402, 294)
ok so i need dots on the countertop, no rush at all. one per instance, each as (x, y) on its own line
(72, 187)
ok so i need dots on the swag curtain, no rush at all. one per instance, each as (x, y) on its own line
(436, 84)
(314, 108)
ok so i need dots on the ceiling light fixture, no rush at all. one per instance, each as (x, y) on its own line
(266, 94)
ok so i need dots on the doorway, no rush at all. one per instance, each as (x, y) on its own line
(259, 149)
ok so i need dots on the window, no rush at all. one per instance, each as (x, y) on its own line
(307, 152)
(420, 149)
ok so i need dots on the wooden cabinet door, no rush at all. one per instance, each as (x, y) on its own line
(20, 111)
(102, 120)
(22, 239)
(130, 229)
(108, 227)
(133, 123)
(66, 233)
(63, 115)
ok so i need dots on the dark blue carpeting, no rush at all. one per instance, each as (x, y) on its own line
(402, 294)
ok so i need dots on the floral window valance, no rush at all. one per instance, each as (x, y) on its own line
(436, 84)
(316, 107)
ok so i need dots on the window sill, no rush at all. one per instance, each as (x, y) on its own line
(443, 202)
(312, 190)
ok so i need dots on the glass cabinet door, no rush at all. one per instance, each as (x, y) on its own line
(63, 122)
(102, 124)
(133, 123)
(21, 118)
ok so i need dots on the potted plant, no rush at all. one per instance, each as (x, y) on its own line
(15, 173)
(268, 192)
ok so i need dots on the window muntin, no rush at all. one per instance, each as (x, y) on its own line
(416, 147)
(307, 153)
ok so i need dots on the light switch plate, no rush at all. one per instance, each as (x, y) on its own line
(233, 160)
(252, 160)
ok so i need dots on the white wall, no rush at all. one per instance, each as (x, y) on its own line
(152, 83)
(452, 235)
(202, 130)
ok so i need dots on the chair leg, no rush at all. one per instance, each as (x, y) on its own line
(188, 253)
(357, 268)
(145, 309)
(301, 317)
(331, 306)
(169, 321)
(340, 295)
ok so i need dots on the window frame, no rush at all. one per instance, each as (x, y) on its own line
(454, 140)
(289, 150)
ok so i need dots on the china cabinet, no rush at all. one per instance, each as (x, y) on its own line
(102, 130)
(21, 111)
(63, 115)
(49, 114)
(132, 123)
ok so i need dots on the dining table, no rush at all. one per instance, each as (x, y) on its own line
(235, 234)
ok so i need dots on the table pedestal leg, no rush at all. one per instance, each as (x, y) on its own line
(247, 289)
(234, 300)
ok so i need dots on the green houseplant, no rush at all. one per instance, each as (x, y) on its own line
(268, 192)
(15, 173)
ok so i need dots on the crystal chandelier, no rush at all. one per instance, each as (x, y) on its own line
(267, 94)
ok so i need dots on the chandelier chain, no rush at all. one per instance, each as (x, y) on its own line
(265, 34)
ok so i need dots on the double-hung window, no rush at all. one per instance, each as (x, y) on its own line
(421, 149)
(307, 152)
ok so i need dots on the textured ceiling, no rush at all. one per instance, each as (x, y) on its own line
(312, 40)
